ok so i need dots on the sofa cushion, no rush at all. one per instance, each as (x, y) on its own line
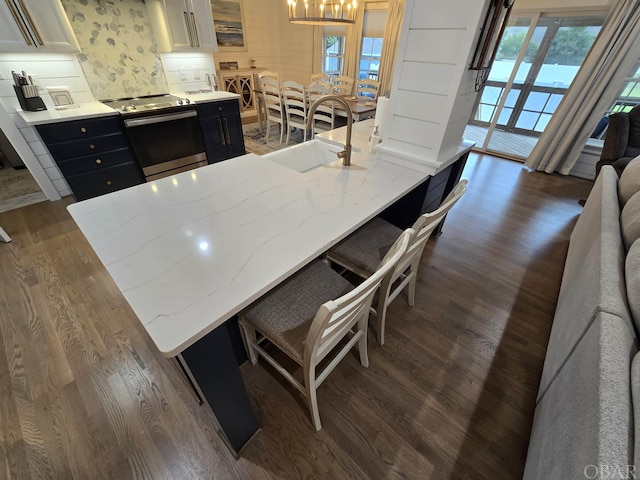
(632, 276)
(593, 277)
(585, 418)
(629, 181)
(592, 223)
(630, 221)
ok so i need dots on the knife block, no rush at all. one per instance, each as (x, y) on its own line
(33, 104)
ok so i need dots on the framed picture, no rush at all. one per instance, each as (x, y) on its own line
(229, 22)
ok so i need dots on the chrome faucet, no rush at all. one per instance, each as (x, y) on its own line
(345, 154)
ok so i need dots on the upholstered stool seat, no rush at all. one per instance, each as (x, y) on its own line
(367, 246)
(285, 314)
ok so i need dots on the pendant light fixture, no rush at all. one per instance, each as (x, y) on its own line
(322, 12)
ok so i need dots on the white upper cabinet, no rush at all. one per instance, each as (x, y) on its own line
(183, 25)
(35, 25)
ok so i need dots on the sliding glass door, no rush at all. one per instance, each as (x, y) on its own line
(537, 60)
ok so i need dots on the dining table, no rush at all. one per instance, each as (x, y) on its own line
(362, 107)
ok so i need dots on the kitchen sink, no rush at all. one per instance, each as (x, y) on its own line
(307, 156)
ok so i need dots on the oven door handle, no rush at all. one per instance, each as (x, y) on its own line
(167, 117)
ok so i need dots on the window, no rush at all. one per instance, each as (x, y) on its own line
(333, 55)
(537, 60)
(370, 57)
(334, 38)
(375, 19)
(364, 48)
(630, 95)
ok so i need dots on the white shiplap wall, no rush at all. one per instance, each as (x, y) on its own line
(296, 47)
(433, 90)
(273, 42)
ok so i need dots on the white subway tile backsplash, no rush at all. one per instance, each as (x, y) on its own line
(62, 187)
(53, 173)
(30, 134)
(38, 148)
(46, 161)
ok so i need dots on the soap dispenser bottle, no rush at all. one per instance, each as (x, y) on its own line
(374, 139)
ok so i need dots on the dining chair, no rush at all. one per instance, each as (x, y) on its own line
(274, 108)
(367, 87)
(268, 74)
(301, 318)
(320, 78)
(294, 98)
(324, 118)
(343, 85)
(362, 251)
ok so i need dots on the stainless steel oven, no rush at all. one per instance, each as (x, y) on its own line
(164, 132)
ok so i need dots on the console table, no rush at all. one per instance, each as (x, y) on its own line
(242, 81)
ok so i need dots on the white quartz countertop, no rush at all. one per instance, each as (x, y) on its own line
(98, 109)
(208, 97)
(191, 250)
(84, 110)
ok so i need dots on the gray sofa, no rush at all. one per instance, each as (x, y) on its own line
(583, 425)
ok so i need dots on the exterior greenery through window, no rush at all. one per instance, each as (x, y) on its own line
(333, 55)
(551, 60)
(630, 95)
(569, 47)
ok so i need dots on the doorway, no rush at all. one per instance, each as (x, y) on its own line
(538, 58)
(18, 188)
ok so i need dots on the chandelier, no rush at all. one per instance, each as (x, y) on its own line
(322, 12)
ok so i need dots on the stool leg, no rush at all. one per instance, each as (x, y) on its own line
(4, 236)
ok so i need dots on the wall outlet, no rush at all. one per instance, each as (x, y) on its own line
(196, 73)
(183, 74)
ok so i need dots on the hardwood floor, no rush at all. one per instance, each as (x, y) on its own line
(85, 395)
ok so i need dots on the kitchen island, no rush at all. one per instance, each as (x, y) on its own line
(190, 251)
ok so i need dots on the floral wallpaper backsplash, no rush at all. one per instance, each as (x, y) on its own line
(119, 55)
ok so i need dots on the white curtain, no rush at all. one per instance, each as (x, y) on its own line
(613, 55)
(352, 45)
(390, 45)
(318, 49)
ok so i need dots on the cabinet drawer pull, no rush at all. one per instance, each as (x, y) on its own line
(98, 161)
(109, 182)
(83, 130)
(92, 146)
(226, 131)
